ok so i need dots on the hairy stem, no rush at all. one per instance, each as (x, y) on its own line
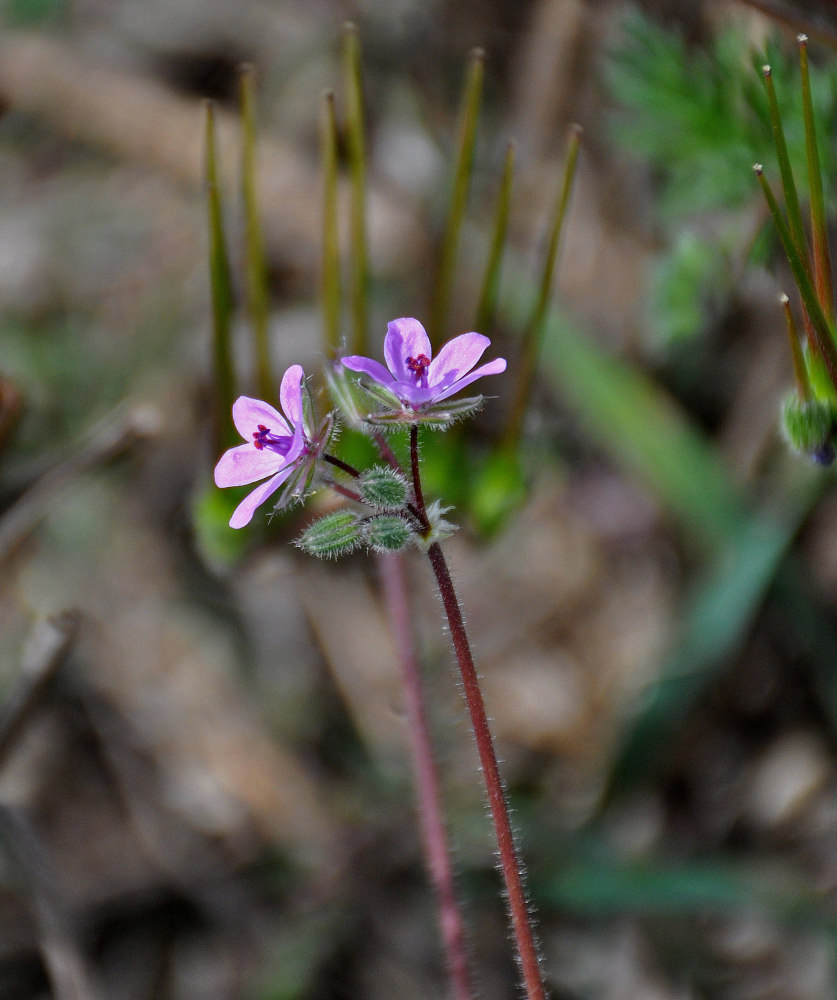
(510, 864)
(434, 836)
(340, 464)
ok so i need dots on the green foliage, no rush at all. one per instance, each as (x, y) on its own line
(700, 117)
(23, 13)
(687, 284)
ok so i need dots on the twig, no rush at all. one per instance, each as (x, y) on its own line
(65, 965)
(42, 657)
(118, 431)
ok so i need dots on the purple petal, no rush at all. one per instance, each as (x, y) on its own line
(247, 464)
(492, 368)
(374, 369)
(406, 338)
(457, 357)
(243, 513)
(290, 394)
(249, 413)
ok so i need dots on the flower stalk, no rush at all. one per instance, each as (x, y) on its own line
(511, 866)
(434, 835)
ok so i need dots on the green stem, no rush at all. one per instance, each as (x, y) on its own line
(803, 384)
(330, 276)
(491, 282)
(220, 283)
(459, 197)
(797, 229)
(533, 335)
(256, 267)
(359, 285)
(819, 225)
(819, 326)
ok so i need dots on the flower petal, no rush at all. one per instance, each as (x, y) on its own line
(243, 513)
(406, 338)
(492, 368)
(374, 369)
(290, 394)
(247, 464)
(457, 357)
(249, 413)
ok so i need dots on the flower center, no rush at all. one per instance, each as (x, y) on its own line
(418, 366)
(262, 438)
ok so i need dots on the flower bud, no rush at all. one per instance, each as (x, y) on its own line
(387, 533)
(384, 488)
(331, 536)
(808, 427)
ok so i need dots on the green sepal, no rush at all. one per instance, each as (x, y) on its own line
(387, 533)
(331, 536)
(436, 417)
(384, 488)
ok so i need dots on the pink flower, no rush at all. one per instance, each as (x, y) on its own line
(276, 446)
(415, 377)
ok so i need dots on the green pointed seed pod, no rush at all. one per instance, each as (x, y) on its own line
(388, 533)
(331, 536)
(808, 427)
(384, 488)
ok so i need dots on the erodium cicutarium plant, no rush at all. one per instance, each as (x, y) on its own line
(287, 453)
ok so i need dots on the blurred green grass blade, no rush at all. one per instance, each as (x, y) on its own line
(359, 282)
(254, 255)
(469, 119)
(819, 223)
(534, 329)
(810, 627)
(797, 229)
(330, 276)
(220, 282)
(596, 885)
(717, 617)
(491, 281)
(636, 423)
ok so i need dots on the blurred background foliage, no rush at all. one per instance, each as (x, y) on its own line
(203, 784)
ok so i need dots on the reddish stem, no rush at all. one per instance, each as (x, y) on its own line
(509, 861)
(434, 836)
(510, 864)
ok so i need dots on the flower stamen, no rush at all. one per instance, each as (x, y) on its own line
(262, 438)
(418, 366)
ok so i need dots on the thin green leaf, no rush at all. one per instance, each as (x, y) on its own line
(491, 281)
(359, 282)
(258, 300)
(469, 118)
(330, 276)
(595, 884)
(220, 282)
